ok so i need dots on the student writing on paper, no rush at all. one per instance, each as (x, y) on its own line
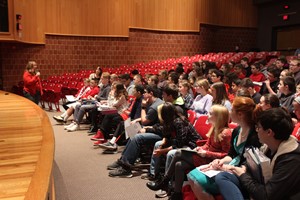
(274, 129)
(242, 137)
(217, 146)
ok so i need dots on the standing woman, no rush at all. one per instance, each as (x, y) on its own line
(32, 84)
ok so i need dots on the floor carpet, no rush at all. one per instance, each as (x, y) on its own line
(80, 170)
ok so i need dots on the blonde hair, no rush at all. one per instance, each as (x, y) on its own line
(203, 83)
(186, 84)
(106, 75)
(221, 122)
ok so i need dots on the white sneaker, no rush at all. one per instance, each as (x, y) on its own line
(75, 127)
(69, 126)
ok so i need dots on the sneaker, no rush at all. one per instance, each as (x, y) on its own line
(113, 166)
(98, 137)
(108, 151)
(69, 126)
(75, 127)
(120, 172)
(161, 194)
(97, 143)
(58, 118)
(108, 145)
(149, 177)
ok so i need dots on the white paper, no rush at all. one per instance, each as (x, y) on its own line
(71, 98)
(131, 129)
(210, 173)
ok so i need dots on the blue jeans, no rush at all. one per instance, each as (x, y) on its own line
(133, 146)
(157, 160)
(229, 186)
(80, 110)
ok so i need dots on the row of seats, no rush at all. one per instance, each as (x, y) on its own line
(56, 87)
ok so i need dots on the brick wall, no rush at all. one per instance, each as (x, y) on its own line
(62, 54)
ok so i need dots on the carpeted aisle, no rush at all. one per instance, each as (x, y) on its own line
(80, 170)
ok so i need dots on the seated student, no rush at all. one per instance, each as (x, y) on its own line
(94, 89)
(243, 136)
(126, 80)
(238, 69)
(101, 96)
(173, 77)
(256, 75)
(245, 64)
(90, 104)
(271, 84)
(235, 86)
(163, 79)
(69, 106)
(184, 88)
(97, 75)
(248, 84)
(274, 127)
(268, 101)
(287, 89)
(217, 146)
(177, 133)
(295, 69)
(149, 117)
(281, 63)
(134, 113)
(110, 121)
(216, 76)
(219, 94)
(203, 101)
(171, 94)
(296, 105)
(153, 80)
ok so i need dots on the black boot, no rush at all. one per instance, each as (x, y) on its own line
(176, 196)
(159, 185)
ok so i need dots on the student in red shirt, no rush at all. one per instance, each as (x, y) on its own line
(32, 85)
(238, 69)
(256, 76)
(296, 105)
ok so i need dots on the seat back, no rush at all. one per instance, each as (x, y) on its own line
(191, 116)
(202, 126)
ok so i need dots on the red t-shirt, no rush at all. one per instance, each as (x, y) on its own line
(296, 131)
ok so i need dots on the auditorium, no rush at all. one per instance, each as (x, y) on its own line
(149, 99)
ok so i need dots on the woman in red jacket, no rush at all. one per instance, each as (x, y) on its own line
(32, 84)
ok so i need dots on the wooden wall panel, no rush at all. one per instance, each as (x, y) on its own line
(165, 14)
(89, 17)
(114, 17)
(33, 20)
(187, 15)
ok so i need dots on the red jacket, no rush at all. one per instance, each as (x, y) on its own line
(94, 91)
(31, 83)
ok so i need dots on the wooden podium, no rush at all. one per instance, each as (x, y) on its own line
(26, 150)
